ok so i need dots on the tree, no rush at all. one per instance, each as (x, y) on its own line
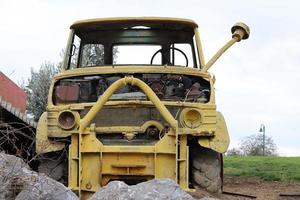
(253, 145)
(39, 82)
(37, 88)
(234, 152)
(91, 55)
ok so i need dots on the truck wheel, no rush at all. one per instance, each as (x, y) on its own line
(54, 166)
(206, 169)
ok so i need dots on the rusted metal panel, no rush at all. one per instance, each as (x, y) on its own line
(11, 93)
(67, 94)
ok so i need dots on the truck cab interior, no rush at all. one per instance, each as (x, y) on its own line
(133, 42)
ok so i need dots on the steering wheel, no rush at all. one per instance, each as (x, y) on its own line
(168, 60)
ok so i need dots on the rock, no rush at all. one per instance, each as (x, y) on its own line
(17, 181)
(156, 189)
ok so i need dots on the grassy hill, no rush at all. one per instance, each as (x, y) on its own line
(267, 168)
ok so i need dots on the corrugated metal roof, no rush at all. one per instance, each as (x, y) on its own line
(16, 112)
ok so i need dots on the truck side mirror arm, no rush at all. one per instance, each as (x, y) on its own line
(240, 31)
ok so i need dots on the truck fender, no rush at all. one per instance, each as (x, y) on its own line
(220, 141)
(43, 144)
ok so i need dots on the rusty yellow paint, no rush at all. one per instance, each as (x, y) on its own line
(132, 69)
(43, 144)
(93, 164)
(114, 87)
(218, 54)
(191, 118)
(67, 49)
(113, 162)
(199, 48)
(76, 118)
(221, 140)
(209, 107)
(145, 161)
(138, 129)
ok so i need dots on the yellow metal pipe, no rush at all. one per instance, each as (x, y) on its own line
(100, 103)
(155, 100)
(114, 87)
(240, 31)
(219, 53)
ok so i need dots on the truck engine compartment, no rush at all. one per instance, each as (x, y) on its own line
(172, 87)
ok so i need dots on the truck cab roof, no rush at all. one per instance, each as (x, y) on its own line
(132, 41)
(128, 22)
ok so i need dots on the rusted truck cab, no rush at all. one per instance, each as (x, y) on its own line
(134, 101)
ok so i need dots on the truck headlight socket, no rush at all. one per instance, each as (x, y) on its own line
(190, 118)
(67, 119)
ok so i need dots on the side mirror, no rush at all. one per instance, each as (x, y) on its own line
(240, 31)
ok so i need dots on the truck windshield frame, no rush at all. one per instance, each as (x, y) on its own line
(102, 43)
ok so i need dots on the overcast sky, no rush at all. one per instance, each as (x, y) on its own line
(257, 79)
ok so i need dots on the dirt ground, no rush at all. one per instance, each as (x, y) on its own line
(263, 190)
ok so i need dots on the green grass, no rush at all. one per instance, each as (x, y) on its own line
(268, 168)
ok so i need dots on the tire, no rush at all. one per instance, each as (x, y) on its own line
(54, 166)
(206, 169)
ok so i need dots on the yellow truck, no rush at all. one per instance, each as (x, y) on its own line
(134, 101)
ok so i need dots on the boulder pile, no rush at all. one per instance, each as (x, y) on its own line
(161, 189)
(18, 182)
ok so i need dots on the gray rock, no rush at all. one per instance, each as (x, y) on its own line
(156, 189)
(17, 181)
